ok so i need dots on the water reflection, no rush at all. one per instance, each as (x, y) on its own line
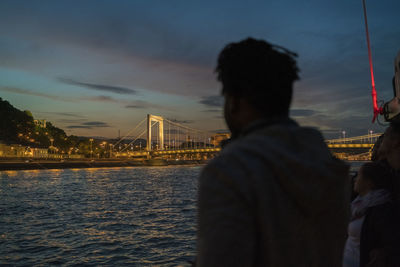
(114, 216)
(8, 173)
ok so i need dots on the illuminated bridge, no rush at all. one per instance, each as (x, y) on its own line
(353, 148)
(170, 140)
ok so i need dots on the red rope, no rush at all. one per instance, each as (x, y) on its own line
(377, 110)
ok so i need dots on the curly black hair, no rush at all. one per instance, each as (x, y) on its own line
(259, 71)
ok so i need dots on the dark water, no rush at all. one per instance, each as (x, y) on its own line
(106, 216)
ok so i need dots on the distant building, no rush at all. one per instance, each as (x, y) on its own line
(2, 149)
(219, 137)
(18, 151)
(12, 150)
(40, 123)
(40, 152)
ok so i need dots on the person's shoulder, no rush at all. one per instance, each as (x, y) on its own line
(224, 162)
(231, 164)
(289, 133)
(233, 151)
(226, 175)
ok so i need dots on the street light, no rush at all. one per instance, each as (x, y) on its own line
(91, 147)
(51, 146)
(370, 136)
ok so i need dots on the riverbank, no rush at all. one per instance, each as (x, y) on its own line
(26, 164)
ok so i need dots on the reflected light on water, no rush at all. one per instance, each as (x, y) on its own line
(9, 173)
(102, 216)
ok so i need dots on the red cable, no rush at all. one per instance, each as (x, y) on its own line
(377, 110)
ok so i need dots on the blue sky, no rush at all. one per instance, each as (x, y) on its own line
(96, 67)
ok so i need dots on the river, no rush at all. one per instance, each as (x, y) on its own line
(137, 216)
(108, 216)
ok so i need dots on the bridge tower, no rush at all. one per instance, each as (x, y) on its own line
(160, 120)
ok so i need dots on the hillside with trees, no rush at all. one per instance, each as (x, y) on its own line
(14, 123)
(19, 127)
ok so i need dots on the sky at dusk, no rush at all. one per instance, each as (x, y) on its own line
(96, 67)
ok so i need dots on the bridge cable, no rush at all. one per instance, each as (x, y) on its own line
(137, 137)
(130, 131)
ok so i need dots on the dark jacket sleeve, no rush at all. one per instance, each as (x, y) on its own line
(225, 221)
(380, 235)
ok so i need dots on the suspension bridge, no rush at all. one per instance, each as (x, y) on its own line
(353, 148)
(169, 139)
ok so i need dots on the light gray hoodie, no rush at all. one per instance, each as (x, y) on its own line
(273, 197)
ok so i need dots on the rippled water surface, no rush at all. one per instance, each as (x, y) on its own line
(106, 216)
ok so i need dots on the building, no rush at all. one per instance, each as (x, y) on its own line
(218, 138)
(12, 151)
(40, 123)
(40, 152)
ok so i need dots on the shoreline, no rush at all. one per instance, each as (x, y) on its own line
(29, 164)
(18, 164)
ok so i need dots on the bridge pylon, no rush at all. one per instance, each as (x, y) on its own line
(160, 120)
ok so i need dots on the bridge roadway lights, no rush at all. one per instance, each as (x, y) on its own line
(138, 153)
(186, 151)
(350, 145)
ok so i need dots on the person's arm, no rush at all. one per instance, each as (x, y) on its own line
(225, 224)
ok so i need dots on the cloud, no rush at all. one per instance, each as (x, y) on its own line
(129, 104)
(63, 114)
(181, 121)
(69, 121)
(96, 124)
(140, 104)
(78, 127)
(100, 98)
(89, 125)
(99, 87)
(302, 112)
(212, 101)
(103, 98)
(127, 49)
(213, 110)
(32, 93)
(135, 106)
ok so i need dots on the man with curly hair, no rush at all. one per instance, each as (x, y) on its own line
(275, 196)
